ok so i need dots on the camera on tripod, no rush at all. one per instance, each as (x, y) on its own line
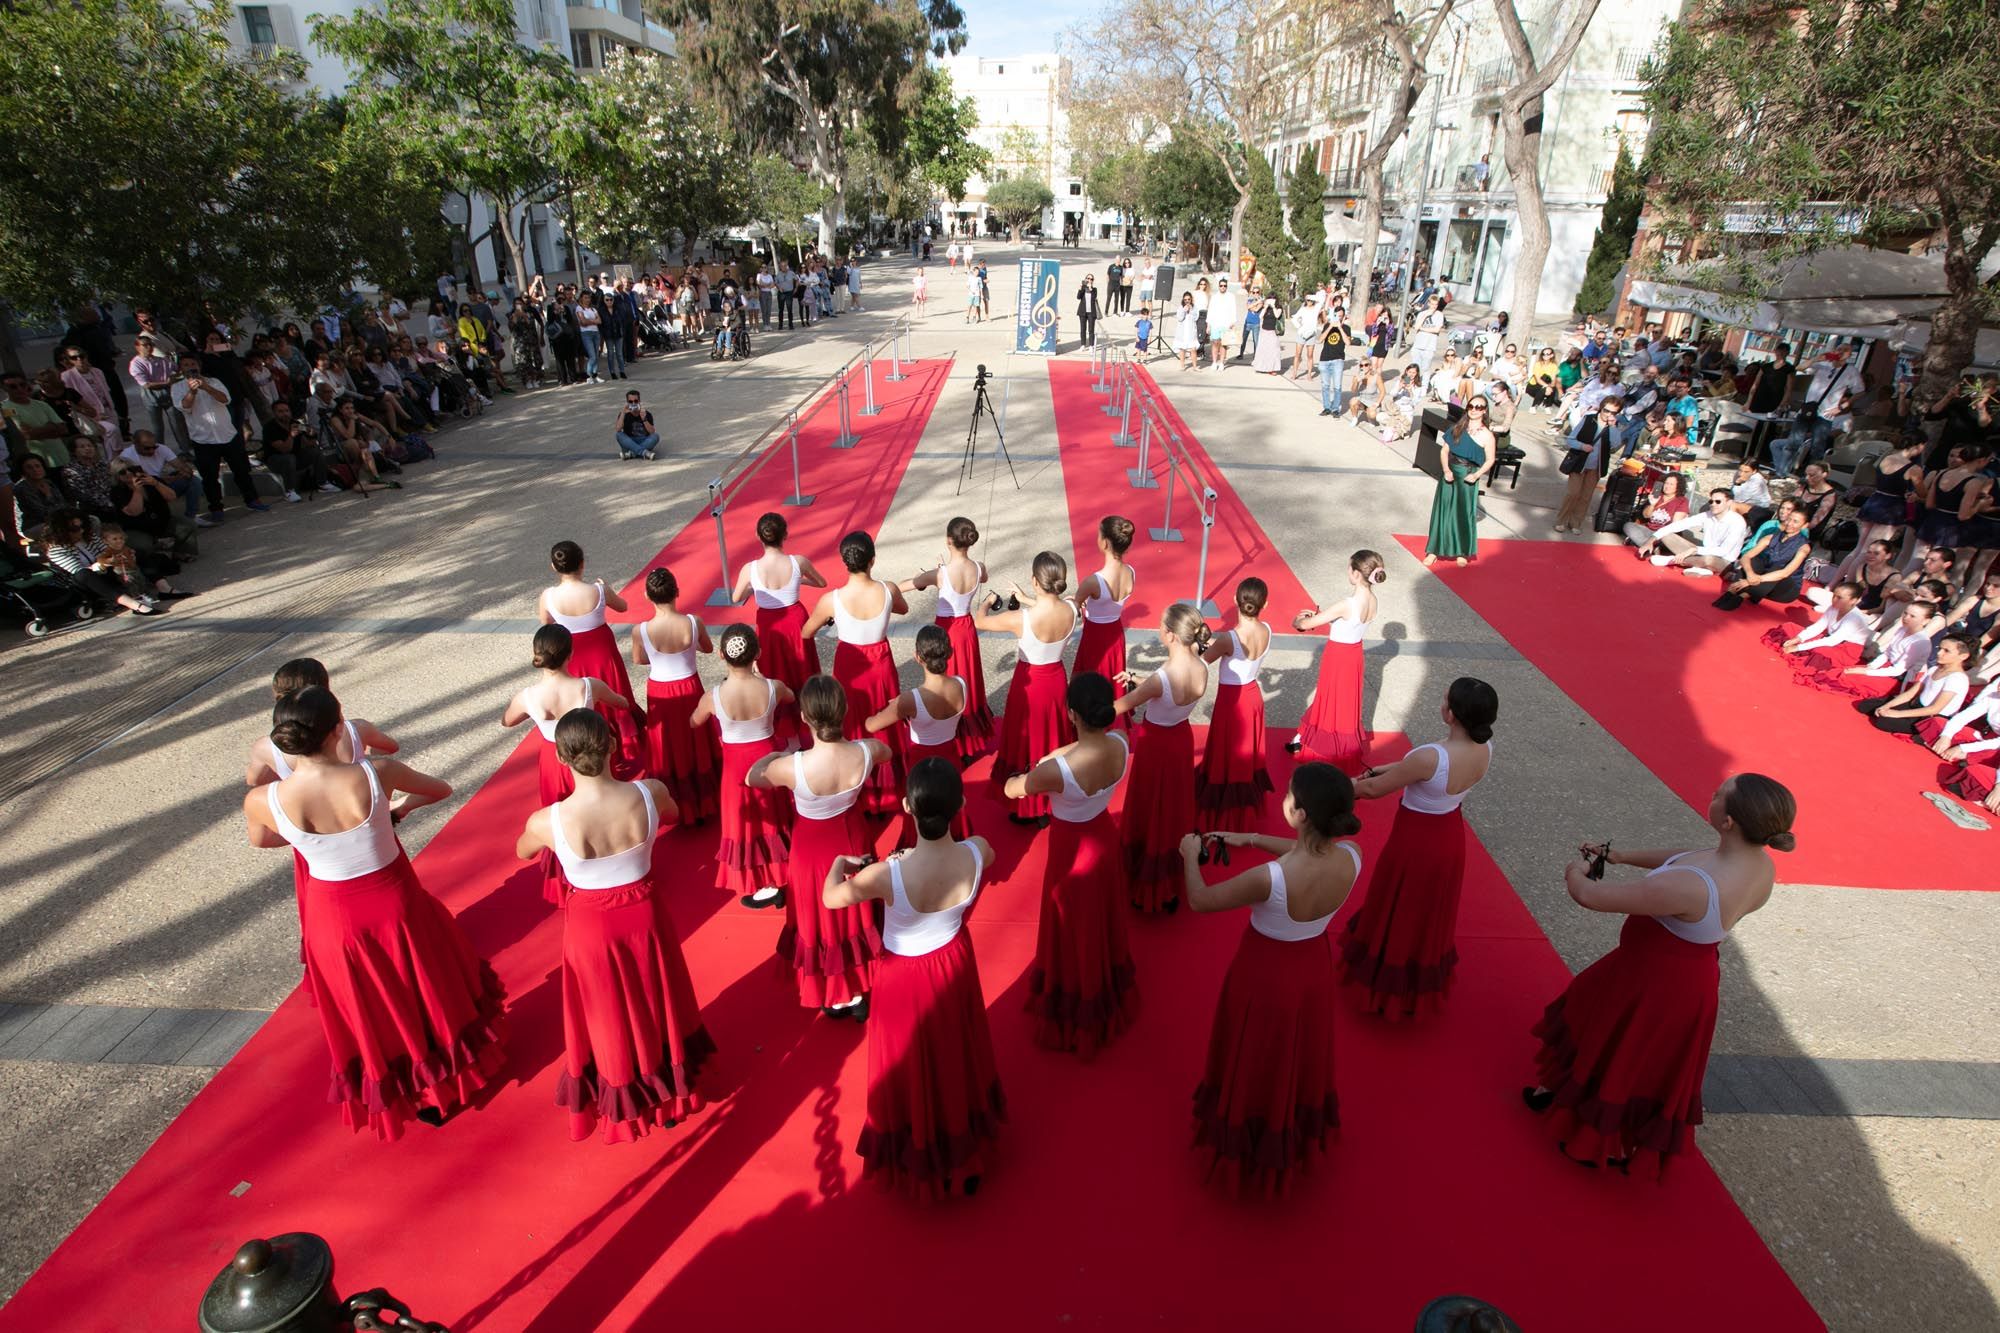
(979, 379)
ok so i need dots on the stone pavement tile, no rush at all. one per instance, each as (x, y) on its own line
(232, 1028)
(46, 1022)
(164, 1037)
(89, 1036)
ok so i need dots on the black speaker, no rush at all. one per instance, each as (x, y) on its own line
(1163, 287)
(1436, 418)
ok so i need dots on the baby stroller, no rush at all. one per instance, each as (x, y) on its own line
(42, 599)
(656, 330)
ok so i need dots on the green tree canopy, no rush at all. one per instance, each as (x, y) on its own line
(786, 200)
(1186, 186)
(1612, 245)
(1120, 181)
(1264, 233)
(1306, 195)
(938, 146)
(1019, 201)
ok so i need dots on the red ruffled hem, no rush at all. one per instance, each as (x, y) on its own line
(1252, 1157)
(1070, 1021)
(832, 957)
(937, 1169)
(1154, 880)
(1235, 795)
(1396, 990)
(627, 1111)
(442, 1080)
(765, 860)
(1590, 1129)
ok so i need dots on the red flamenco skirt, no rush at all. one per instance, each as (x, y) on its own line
(756, 823)
(961, 823)
(1266, 1103)
(299, 877)
(1820, 669)
(1830, 681)
(1624, 1049)
(594, 652)
(1331, 728)
(1035, 722)
(1081, 990)
(1971, 779)
(975, 724)
(934, 1099)
(411, 1013)
(633, 1040)
(832, 952)
(687, 758)
(786, 658)
(1400, 948)
(556, 783)
(1234, 786)
(1101, 648)
(1159, 812)
(868, 672)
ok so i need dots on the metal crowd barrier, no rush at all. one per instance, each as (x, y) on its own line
(1182, 470)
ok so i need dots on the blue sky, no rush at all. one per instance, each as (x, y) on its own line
(1019, 27)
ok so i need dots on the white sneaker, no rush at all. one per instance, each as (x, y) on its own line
(1661, 561)
(1697, 572)
(484, 401)
(293, 497)
(328, 488)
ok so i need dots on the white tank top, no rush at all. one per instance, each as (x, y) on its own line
(665, 667)
(1103, 610)
(1432, 796)
(928, 730)
(1037, 653)
(1236, 669)
(772, 599)
(849, 628)
(1072, 805)
(1345, 628)
(606, 872)
(591, 619)
(908, 932)
(1163, 711)
(547, 725)
(1273, 920)
(756, 728)
(351, 853)
(1709, 929)
(952, 603)
(281, 763)
(812, 806)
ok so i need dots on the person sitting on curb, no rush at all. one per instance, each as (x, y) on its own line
(635, 434)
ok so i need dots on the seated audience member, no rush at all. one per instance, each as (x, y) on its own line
(1976, 613)
(1718, 534)
(143, 573)
(1771, 525)
(88, 479)
(1771, 569)
(359, 443)
(414, 408)
(1899, 654)
(1397, 416)
(1818, 496)
(634, 433)
(1831, 643)
(1669, 506)
(143, 506)
(292, 453)
(1751, 494)
(72, 548)
(156, 460)
(37, 494)
(1969, 744)
(1938, 691)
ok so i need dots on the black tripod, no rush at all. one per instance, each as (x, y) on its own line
(982, 406)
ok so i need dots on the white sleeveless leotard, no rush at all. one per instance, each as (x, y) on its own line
(813, 806)
(928, 730)
(666, 667)
(1344, 628)
(1072, 805)
(1709, 929)
(547, 725)
(606, 872)
(954, 603)
(1104, 610)
(756, 728)
(591, 619)
(850, 628)
(281, 764)
(774, 599)
(1273, 920)
(351, 853)
(910, 933)
(1236, 669)
(1037, 653)
(1432, 796)
(1162, 711)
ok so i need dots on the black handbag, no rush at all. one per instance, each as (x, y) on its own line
(1572, 462)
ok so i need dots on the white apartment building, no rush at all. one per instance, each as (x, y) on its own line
(1016, 95)
(1448, 196)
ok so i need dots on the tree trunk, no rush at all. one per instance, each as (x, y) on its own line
(1361, 273)
(569, 234)
(830, 214)
(1954, 325)
(1236, 232)
(1522, 138)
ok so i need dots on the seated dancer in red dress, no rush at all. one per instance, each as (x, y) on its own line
(934, 1100)
(1036, 719)
(957, 579)
(579, 608)
(411, 1014)
(1969, 743)
(1399, 950)
(863, 664)
(1100, 599)
(1234, 781)
(1266, 1101)
(1625, 1048)
(832, 953)
(552, 695)
(683, 756)
(774, 579)
(633, 1039)
(751, 856)
(1080, 990)
(1901, 654)
(923, 723)
(1831, 643)
(1159, 805)
(1331, 728)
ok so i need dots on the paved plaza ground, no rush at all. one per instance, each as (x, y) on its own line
(1855, 1093)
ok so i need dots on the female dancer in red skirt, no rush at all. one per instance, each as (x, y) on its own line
(1831, 643)
(756, 824)
(552, 695)
(774, 580)
(684, 757)
(1100, 599)
(1035, 721)
(863, 663)
(934, 1099)
(1080, 990)
(957, 579)
(1266, 1102)
(1625, 1048)
(1969, 743)
(411, 1014)
(579, 608)
(1234, 782)
(1400, 949)
(1331, 728)
(923, 723)
(832, 953)
(633, 1040)
(1159, 807)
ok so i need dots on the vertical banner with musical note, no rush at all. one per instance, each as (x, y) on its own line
(1035, 306)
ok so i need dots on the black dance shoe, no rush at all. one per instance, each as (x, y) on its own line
(1294, 745)
(1537, 1099)
(756, 904)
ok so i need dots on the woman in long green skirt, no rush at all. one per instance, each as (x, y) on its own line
(1465, 455)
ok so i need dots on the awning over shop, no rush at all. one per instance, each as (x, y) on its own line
(1850, 290)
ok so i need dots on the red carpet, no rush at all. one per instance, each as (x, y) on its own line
(1093, 472)
(1092, 1214)
(1694, 695)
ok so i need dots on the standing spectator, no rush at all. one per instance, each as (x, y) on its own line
(204, 405)
(767, 294)
(616, 328)
(854, 277)
(149, 327)
(590, 330)
(1222, 320)
(786, 284)
(1253, 326)
(1482, 172)
(525, 322)
(1087, 309)
(636, 436)
(152, 372)
(1771, 382)
(89, 330)
(93, 394)
(560, 320)
(1425, 332)
(1334, 336)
